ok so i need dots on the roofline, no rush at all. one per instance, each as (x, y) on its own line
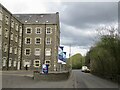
(10, 13)
(57, 13)
(27, 13)
(35, 13)
(5, 8)
(41, 24)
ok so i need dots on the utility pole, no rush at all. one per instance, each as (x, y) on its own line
(70, 58)
(44, 44)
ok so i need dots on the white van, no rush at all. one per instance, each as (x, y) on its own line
(84, 68)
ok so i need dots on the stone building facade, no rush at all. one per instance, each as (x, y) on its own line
(29, 39)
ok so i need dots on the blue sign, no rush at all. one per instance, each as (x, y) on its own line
(60, 50)
(64, 56)
(60, 53)
(60, 57)
(45, 69)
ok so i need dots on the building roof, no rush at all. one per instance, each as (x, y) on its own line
(38, 18)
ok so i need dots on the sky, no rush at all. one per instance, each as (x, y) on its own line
(79, 19)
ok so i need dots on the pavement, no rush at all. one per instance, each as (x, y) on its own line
(24, 79)
(18, 73)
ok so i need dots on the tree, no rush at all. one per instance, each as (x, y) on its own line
(104, 57)
(77, 61)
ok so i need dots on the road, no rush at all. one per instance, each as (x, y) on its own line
(87, 80)
(78, 79)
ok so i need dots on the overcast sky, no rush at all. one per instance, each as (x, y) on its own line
(78, 20)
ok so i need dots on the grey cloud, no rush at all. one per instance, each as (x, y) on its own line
(81, 41)
(84, 14)
(71, 37)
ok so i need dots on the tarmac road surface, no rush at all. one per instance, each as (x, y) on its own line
(78, 79)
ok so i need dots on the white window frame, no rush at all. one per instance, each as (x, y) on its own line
(25, 51)
(0, 29)
(37, 63)
(5, 47)
(28, 63)
(49, 41)
(16, 26)
(26, 40)
(20, 32)
(1, 15)
(28, 28)
(36, 40)
(48, 52)
(15, 63)
(6, 20)
(12, 23)
(15, 50)
(0, 45)
(19, 52)
(47, 30)
(16, 38)
(6, 33)
(11, 36)
(48, 63)
(10, 49)
(4, 60)
(37, 29)
(20, 42)
(37, 53)
(10, 62)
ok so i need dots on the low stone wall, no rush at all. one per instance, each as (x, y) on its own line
(55, 76)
